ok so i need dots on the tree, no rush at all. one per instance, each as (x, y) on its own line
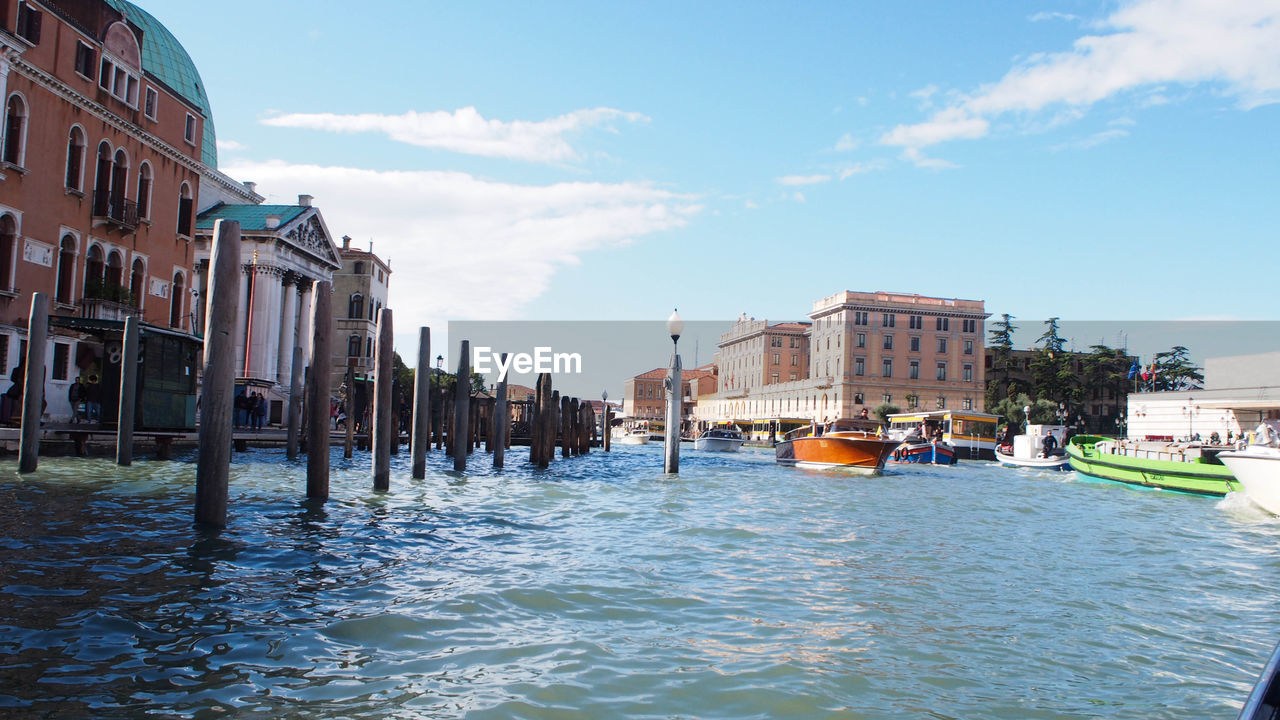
(884, 410)
(1043, 412)
(1002, 353)
(1106, 374)
(1175, 371)
(1051, 368)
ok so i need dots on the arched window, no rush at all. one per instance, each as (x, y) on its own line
(93, 270)
(75, 159)
(15, 129)
(186, 206)
(8, 241)
(144, 191)
(368, 347)
(66, 270)
(175, 300)
(119, 178)
(137, 282)
(115, 270)
(353, 346)
(102, 181)
(355, 307)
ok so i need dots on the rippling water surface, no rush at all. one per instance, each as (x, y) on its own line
(603, 588)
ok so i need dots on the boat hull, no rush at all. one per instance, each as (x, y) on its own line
(1258, 472)
(1056, 462)
(1190, 477)
(717, 444)
(859, 453)
(928, 453)
(631, 440)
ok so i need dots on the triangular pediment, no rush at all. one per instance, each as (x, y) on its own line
(310, 235)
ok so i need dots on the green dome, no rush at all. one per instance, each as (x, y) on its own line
(164, 57)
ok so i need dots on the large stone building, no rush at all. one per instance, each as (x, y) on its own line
(284, 250)
(863, 349)
(108, 140)
(360, 289)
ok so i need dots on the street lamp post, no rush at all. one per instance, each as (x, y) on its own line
(671, 444)
(604, 420)
(1191, 410)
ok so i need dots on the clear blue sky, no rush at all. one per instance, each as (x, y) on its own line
(1090, 160)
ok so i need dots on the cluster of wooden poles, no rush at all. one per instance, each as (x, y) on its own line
(572, 420)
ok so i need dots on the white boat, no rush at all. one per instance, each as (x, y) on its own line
(722, 439)
(1029, 449)
(1257, 467)
(634, 436)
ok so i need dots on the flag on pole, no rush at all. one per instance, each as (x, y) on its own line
(1133, 369)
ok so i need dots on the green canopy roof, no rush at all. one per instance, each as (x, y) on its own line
(164, 58)
(251, 217)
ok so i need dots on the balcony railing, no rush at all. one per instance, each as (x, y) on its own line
(99, 309)
(117, 211)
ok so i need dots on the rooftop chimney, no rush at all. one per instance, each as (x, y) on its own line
(252, 187)
(346, 242)
(305, 200)
(273, 222)
(370, 246)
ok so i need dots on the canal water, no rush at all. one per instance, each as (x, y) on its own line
(602, 588)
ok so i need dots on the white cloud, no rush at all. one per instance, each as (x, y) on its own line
(463, 247)
(1094, 140)
(467, 131)
(847, 143)
(1154, 42)
(751, 205)
(849, 171)
(919, 159)
(795, 180)
(229, 145)
(1041, 16)
(798, 197)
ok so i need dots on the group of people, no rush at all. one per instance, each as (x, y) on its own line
(250, 410)
(86, 401)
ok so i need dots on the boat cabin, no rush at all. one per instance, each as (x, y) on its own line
(971, 433)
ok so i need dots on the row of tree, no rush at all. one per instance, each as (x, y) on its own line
(1055, 381)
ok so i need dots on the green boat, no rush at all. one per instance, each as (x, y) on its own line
(1170, 466)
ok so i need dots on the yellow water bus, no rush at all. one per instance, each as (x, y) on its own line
(971, 433)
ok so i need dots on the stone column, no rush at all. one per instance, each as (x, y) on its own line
(264, 335)
(306, 295)
(241, 309)
(288, 327)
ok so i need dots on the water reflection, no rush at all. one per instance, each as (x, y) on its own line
(604, 588)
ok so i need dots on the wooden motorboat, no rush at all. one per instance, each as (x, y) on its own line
(849, 444)
(719, 439)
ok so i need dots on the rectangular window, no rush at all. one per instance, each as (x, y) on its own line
(968, 373)
(917, 322)
(61, 359)
(107, 72)
(887, 399)
(942, 371)
(861, 340)
(915, 343)
(888, 319)
(793, 376)
(859, 366)
(149, 106)
(944, 323)
(888, 342)
(85, 57)
(968, 403)
(29, 20)
(887, 369)
(190, 133)
(774, 377)
(915, 370)
(969, 326)
(857, 399)
(795, 342)
(795, 359)
(942, 346)
(968, 347)
(4, 353)
(860, 318)
(942, 403)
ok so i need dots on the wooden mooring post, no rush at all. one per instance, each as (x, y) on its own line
(382, 410)
(295, 404)
(128, 391)
(33, 383)
(501, 420)
(421, 437)
(218, 393)
(318, 392)
(461, 438)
